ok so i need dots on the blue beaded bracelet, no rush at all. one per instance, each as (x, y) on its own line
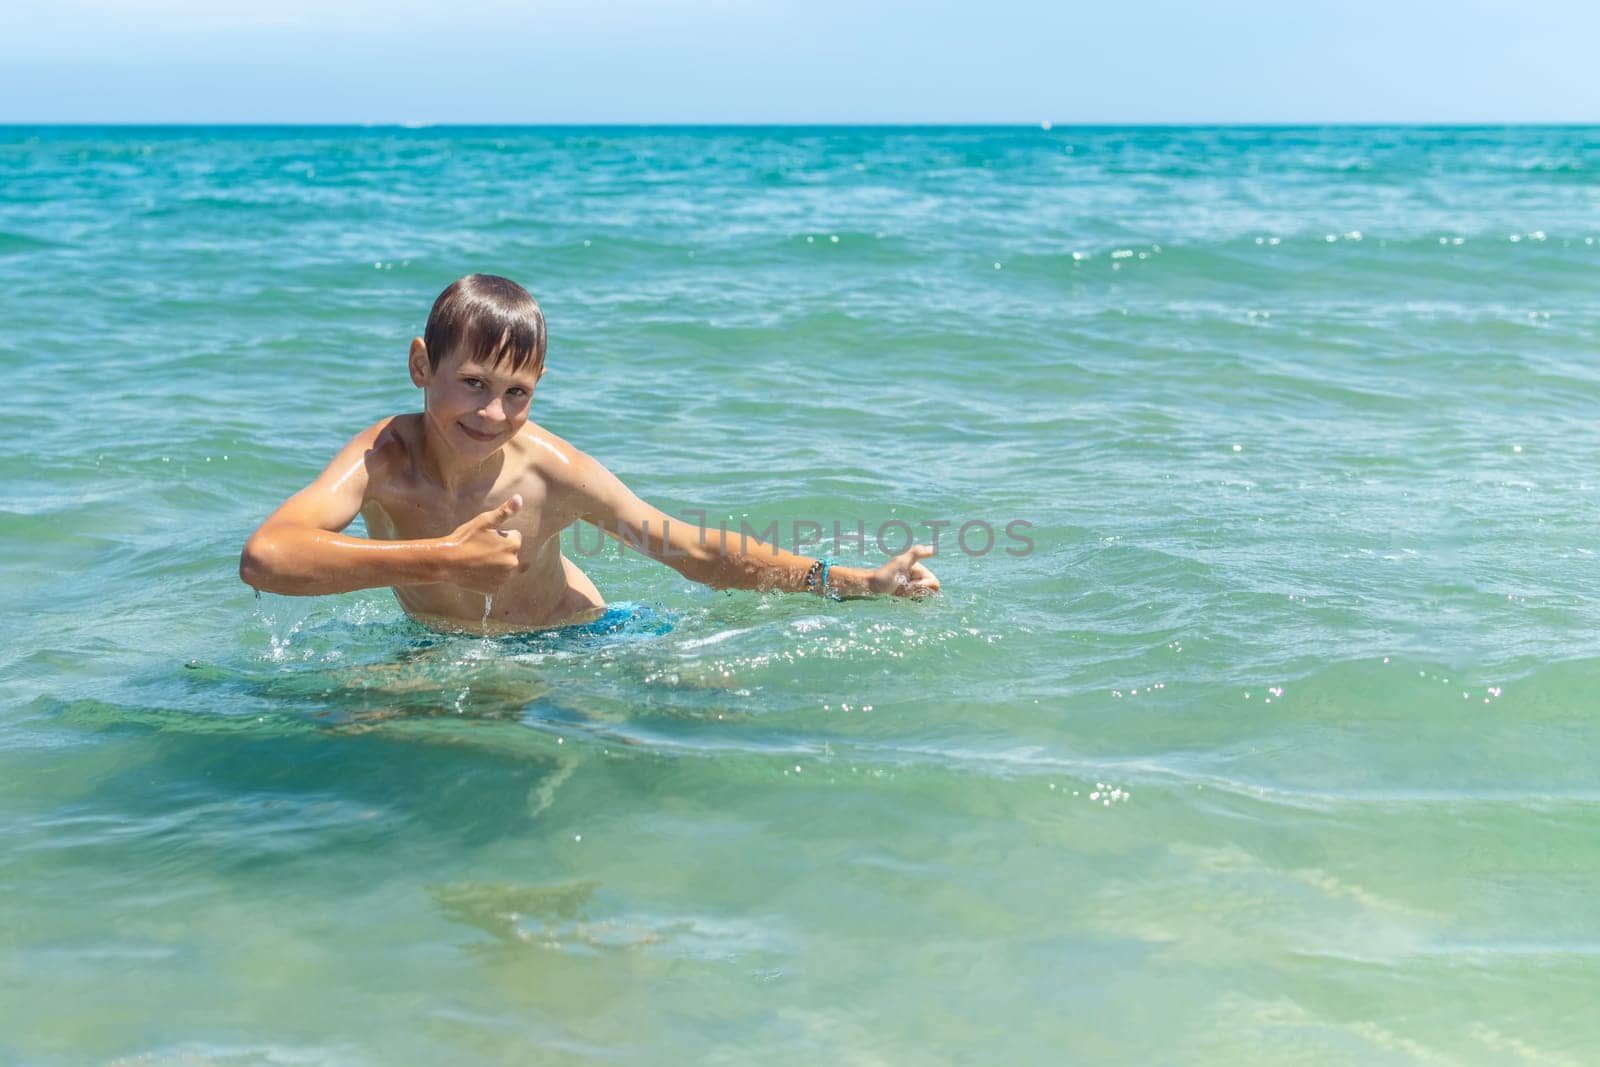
(817, 577)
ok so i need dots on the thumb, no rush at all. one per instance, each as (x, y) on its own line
(915, 554)
(505, 511)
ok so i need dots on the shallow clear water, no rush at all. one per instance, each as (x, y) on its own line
(1277, 747)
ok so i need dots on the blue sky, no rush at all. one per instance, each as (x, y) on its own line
(566, 61)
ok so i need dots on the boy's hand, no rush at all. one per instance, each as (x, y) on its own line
(905, 575)
(482, 555)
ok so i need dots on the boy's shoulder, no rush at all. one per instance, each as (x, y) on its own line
(551, 455)
(385, 449)
(390, 439)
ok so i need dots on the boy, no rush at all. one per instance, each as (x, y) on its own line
(465, 502)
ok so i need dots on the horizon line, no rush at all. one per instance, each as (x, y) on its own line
(1041, 126)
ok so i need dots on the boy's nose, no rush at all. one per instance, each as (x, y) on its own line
(494, 410)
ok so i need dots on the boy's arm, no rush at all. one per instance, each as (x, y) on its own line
(726, 560)
(299, 551)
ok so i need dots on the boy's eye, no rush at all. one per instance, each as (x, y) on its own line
(476, 383)
(518, 391)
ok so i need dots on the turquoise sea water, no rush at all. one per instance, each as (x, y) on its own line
(1278, 747)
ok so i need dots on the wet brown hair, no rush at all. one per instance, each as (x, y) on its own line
(491, 319)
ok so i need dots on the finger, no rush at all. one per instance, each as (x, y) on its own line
(506, 510)
(916, 552)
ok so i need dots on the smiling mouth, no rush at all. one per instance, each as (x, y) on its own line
(474, 434)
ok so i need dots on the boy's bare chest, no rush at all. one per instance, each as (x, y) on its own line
(408, 509)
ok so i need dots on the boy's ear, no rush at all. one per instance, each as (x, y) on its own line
(418, 364)
(542, 368)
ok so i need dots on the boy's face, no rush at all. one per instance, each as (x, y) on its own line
(475, 407)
